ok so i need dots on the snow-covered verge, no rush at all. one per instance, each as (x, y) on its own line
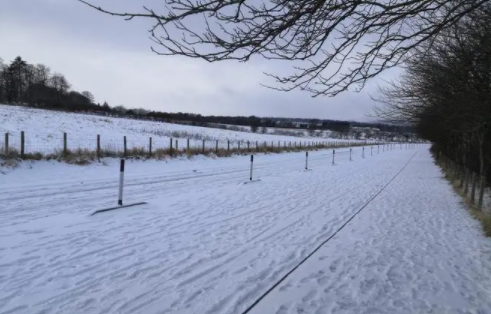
(44, 130)
(208, 243)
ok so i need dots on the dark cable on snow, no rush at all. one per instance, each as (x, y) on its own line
(324, 242)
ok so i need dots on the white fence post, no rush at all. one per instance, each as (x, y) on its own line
(121, 180)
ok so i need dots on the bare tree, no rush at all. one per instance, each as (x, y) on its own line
(333, 44)
(3, 68)
(446, 92)
(89, 96)
(60, 84)
(42, 74)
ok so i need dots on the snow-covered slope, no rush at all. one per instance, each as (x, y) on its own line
(44, 132)
(208, 243)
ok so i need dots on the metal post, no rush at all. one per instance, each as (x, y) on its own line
(363, 153)
(350, 159)
(252, 162)
(121, 180)
(306, 160)
(333, 154)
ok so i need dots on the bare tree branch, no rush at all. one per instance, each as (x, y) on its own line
(334, 45)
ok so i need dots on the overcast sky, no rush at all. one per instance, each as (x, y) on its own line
(111, 58)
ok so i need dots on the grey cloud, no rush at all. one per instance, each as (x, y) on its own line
(111, 58)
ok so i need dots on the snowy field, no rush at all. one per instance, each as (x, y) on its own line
(44, 132)
(399, 240)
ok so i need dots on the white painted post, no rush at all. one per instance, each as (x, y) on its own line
(121, 180)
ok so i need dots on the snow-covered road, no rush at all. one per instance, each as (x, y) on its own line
(206, 242)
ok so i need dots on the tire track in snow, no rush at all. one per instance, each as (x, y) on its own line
(261, 276)
(151, 264)
(112, 184)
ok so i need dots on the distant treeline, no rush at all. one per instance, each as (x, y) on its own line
(36, 86)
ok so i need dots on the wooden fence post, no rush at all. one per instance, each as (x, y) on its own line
(124, 146)
(171, 141)
(473, 189)
(466, 182)
(228, 145)
(177, 146)
(22, 144)
(98, 146)
(6, 143)
(187, 146)
(150, 145)
(248, 146)
(203, 148)
(238, 146)
(482, 187)
(65, 148)
(216, 147)
(461, 176)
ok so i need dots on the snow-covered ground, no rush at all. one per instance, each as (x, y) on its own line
(44, 132)
(209, 241)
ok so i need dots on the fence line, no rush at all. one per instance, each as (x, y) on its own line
(27, 145)
(468, 181)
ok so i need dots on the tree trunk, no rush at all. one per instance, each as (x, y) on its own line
(473, 190)
(482, 188)
(466, 181)
(463, 170)
(482, 169)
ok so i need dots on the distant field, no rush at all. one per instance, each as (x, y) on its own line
(44, 132)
